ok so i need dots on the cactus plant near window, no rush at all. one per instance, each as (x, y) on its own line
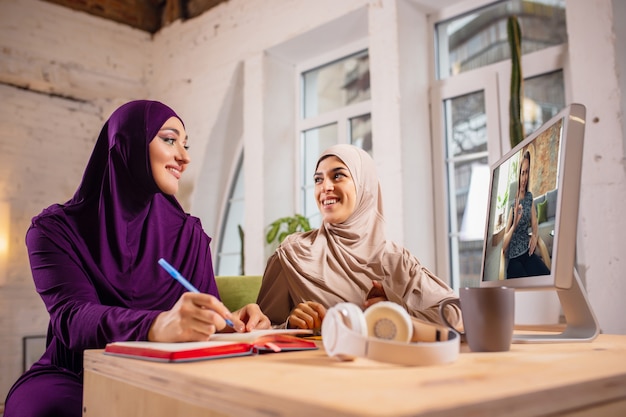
(516, 125)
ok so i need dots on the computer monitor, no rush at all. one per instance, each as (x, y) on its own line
(544, 215)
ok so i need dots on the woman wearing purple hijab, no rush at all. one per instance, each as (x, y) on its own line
(94, 260)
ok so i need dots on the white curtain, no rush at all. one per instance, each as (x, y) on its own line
(475, 214)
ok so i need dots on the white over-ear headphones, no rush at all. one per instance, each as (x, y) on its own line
(385, 332)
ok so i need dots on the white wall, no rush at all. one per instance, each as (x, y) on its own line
(619, 11)
(216, 70)
(596, 82)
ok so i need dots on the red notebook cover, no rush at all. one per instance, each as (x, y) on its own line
(226, 345)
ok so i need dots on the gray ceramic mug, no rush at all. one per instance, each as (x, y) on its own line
(488, 317)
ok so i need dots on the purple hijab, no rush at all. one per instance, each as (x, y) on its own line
(94, 258)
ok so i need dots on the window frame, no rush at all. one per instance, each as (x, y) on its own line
(340, 116)
(494, 80)
(236, 179)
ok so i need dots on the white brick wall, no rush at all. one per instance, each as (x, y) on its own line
(61, 74)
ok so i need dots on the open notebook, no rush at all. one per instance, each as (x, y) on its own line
(220, 345)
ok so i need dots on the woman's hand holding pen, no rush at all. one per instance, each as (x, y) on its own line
(197, 316)
(194, 317)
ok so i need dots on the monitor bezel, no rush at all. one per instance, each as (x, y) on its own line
(567, 202)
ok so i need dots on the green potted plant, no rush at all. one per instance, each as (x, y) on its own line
(284, 226)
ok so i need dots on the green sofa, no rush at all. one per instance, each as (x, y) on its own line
(238, 290)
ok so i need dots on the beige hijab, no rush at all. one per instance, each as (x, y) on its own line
(338, 262)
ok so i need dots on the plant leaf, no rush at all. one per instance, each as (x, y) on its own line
(304, 223)
(271, 234)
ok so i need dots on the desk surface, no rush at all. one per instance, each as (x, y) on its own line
(530, 379)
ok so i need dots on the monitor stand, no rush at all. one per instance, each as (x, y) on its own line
(580, 322)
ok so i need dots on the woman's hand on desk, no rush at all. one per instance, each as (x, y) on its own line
(194, 317)
(307, 315)
(252, 317)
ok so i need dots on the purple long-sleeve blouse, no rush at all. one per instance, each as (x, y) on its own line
(94, 258)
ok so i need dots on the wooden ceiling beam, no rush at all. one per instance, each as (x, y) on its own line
(146, 15)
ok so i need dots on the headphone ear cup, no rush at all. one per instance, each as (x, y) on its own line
(353, 317)
(390, 321)
(344, 331)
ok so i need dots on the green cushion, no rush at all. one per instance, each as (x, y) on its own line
(239, 290)
(542, 211)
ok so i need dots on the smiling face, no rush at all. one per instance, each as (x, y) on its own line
(524, 173)
(168, 155)
(335, 191)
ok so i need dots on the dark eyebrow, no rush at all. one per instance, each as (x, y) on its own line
(173, 129)
(332, 170)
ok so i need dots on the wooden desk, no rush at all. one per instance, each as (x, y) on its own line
(581, 379)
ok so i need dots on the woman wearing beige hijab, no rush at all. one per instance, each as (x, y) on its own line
(348, 259)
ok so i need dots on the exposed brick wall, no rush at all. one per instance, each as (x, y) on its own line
(61, 75)
(59, 52)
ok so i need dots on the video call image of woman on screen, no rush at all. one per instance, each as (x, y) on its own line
(522, 209)
(520, 245)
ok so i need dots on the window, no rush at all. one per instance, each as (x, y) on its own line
(335, 108)
(470, 112)
(466, 161)
(479, 37)
(230, 252)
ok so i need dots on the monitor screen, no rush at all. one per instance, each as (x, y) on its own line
(532, 218)
(530, 236)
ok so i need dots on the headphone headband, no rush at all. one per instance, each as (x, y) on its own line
(430, 344)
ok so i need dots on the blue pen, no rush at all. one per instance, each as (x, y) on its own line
(178, 277)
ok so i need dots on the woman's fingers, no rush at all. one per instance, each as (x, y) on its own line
(374, 300)
(194, 317)
(307, 315)
(209, 302)
(206, 310)
(376, 291)
(251, 317)
(320, 309)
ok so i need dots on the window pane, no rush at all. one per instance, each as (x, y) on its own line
(231, 243)
(471, 188)
(479, 38)
(467, 125)
(361, 132)
(314, 142)
(336, 85)
(230, 246)
(238, 191)
(544, 96)
(230, 264)
(467, 167)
